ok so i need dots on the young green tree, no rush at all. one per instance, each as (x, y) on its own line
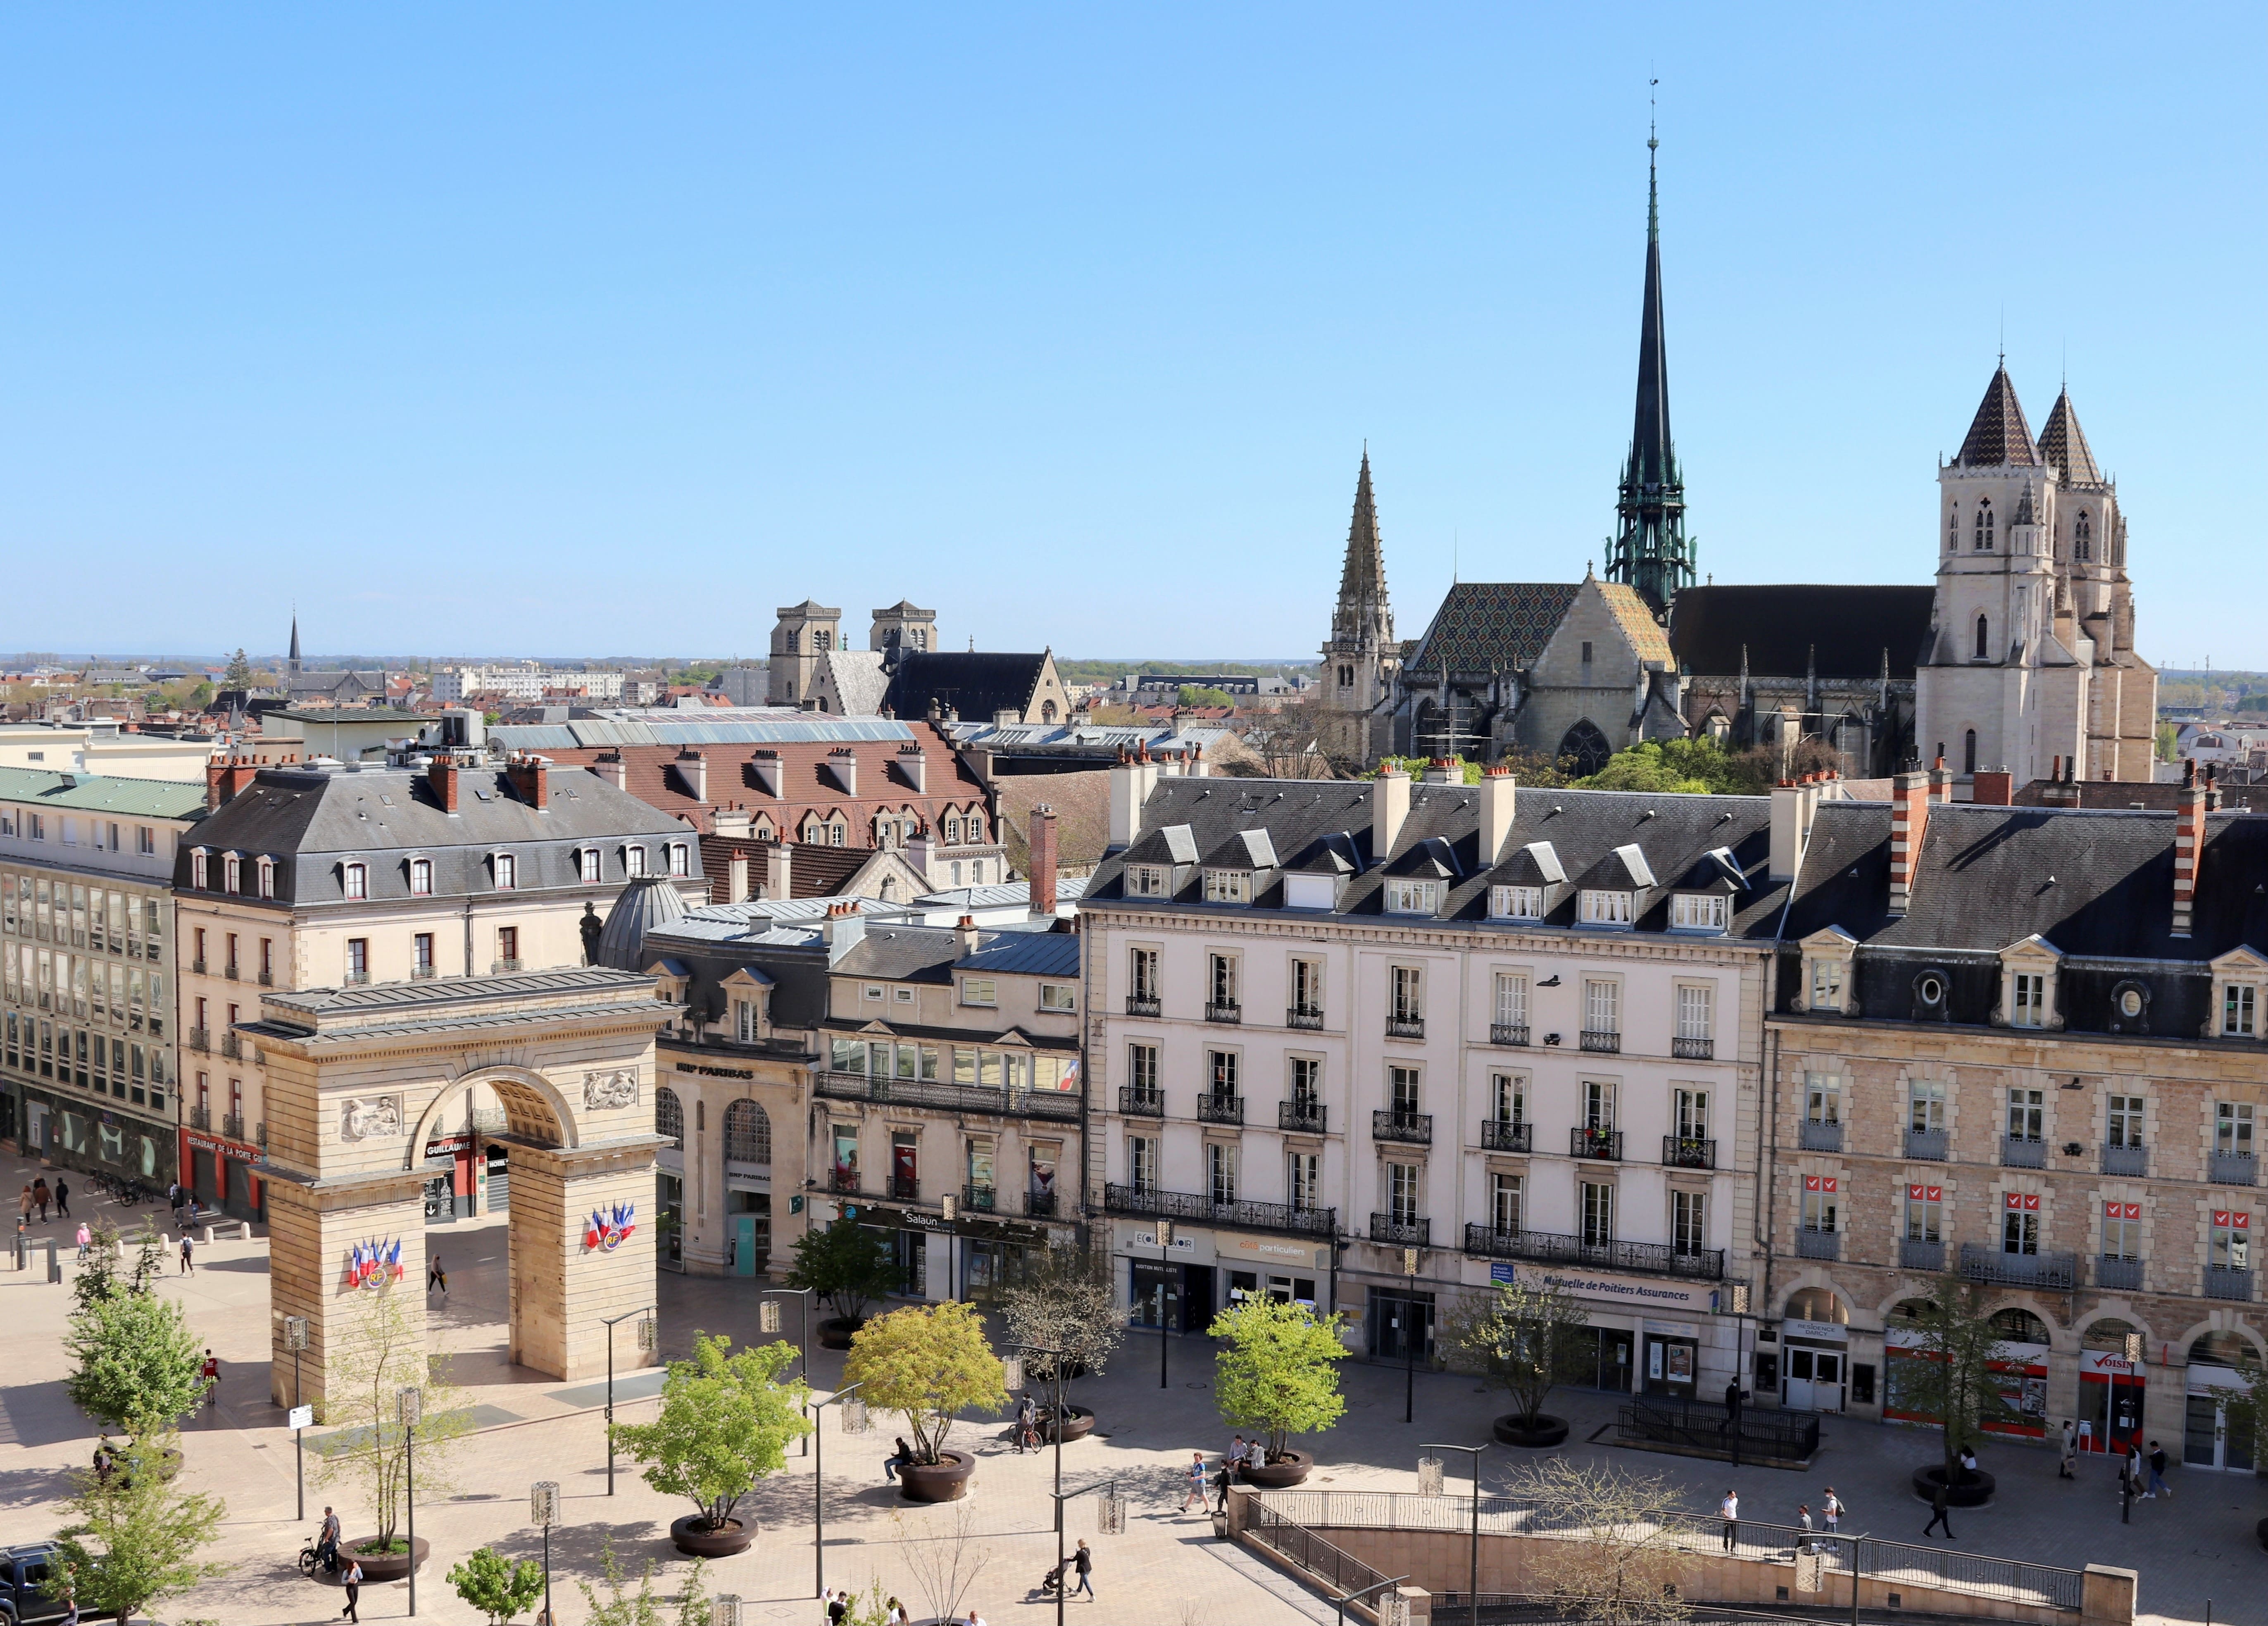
(848, 1262)
(132, 1354)
(1520, 1336)
(1952, 1379)
(382, 1352)
(927, 1361)
(494, 1585)
(1279, 1371)
(134, 1537)
(724, 1422)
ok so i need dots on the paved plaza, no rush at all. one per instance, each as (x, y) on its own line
(1166, 1568)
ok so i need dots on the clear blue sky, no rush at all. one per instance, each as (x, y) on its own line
(557, 329)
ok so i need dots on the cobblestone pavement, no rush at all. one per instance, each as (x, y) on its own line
(1165, 1570)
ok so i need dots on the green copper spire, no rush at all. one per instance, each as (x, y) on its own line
(1651, 552)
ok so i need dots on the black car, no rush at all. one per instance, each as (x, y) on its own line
(25, 1597)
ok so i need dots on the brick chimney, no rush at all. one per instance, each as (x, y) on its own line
(531, 779)
(2189, 838)
(1908, 822)
(777, 877)
(736, 876)
(1940, 783)
(1993, 789)
(1043, 862)
(1498, 795)
(445, 774)
(223, 780)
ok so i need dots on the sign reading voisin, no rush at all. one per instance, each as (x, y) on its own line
(1641, 1293)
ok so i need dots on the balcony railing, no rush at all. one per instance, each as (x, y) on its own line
(1508, 1032)
(980, 1199)
(905, 1188)
(1302, 1117)
(201, 1119)
(2126, 1160)
(231, 972)
(1506, 1134)
(1196, 1205)
(1819, 1245)
(1693, 1050)
(1603, 1144)
(2056, 1271)
(232, 1047)
(1651, 1258)
(200, 1039)
(1928, 1146)
(1916, 1255)
(1411, 1232)
(1061, 1106)
(1405, 1027)
(1412, 1129)
(2118, 1275)
(419, 973)
(1212, 1108)
(260, 1135)
(1137, 1102)
(1812, 1135)
(1136, 1006)
(1688, 1151)
(498, 968)
(2018, 1152)
(1603, 1039)
(1039, 1204)
(2228, 1282)
(2233, 1168)
(1303, 1016)
(197, 965)
(845, 1181)
(232, 1128)
(267, 979)
(1216, 1011)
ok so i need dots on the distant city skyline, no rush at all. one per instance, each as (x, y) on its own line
(608, 331)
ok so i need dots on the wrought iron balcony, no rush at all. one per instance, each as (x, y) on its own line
(354, 979)
(1506, 1134)
(980, 1199)
(905, 1188)
(1819, 1245)
(1928, 1146)
(1137, 1102)
(267, 979)
(1039, 1204)
(2126, 1160)
(232, 1047)
(232, 1128)
(230, 973)
(2118, 1275)
(2056, 1271)
(2019, 1152)
(1059, 1104)
(1916, 1255)
(498, 968)
(1217, 1011)
(1607, 1040)
(1693, 1050)
(1410, 1232)
(1136, 1006)
(1412, 1129)
(201, 1119)
(2227, 1282)
(1148, 1201)
(1304, 1016)
(1213, 1108)
(260, 1135)
(1650, 1258)
(1814, 1134)
(2233, 1168)
(1606, 1144)
(1405, 1027)
(842, 1180)
(197, 965)
(200, 1039)
(1688, 1151)
(1302, 1117)
(1508, 1032)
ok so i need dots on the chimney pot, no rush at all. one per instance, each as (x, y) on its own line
(1043, 862)
(2190, 806)
(444, 776)
(1908, 823)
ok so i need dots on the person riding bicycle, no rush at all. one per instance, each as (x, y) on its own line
(327, 1543)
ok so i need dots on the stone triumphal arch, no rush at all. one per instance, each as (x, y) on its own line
(360, 1080)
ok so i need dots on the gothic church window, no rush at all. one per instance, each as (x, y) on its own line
(1952, 529)
(2082, 542)
(1969, 753)
(1585, 749)
(1981, 633)
(1984, 526)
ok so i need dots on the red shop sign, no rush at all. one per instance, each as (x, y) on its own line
(2233, 1219)
(1925, 1193)
(1819, 1182)
(2023, 1202)
(2122, 1210)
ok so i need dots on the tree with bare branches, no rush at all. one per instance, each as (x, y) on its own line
(1605, 1557)
(945, 1565)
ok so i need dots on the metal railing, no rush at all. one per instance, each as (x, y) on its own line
(1410, 1128)
(1414, 1231)
(1217, 1011)
(419, 973)
(2021, 1151)
(1039, 1204)
(1062, 1106)
(199, 1039)
(232, 1128)
(1788, 1438)
(354, 979)
(1303, 1016)
(1213, 1108)
(1304, 1117)
(2121, 1275)
(905, 1188)
(1914, 1254)
(197, 965)
(201, 1119)
(231, 1048)
(1693, 1050)
(1606, 1144)
(2233, 1168)
(1137, 1102)
(498, 968)
(1688, 1151)
(845, 1180)
(1405, 1027)
(231, 972)
(1302, 1548)
(1819, 1245)
(1551, 1248)
(2228, 1282)
(1816, 1134)
(1136, 1006)
(1150, 1200)
(1980, 1264)
(1506, 1134)
(981, 1199)
(1508, 1032)
(2133, 1160)
(267, 979)
(1605, 1039)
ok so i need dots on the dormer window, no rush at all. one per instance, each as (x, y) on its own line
(507, 872)
(588, 866)
(1227, 886)
(356, 880)
(1413, 897)
(634, 861)
(267, 876)
(1605, 909)
(1698, 911)
(200, 869)
(421, 878)
(678, 863)
(232, 869)
(1826, 984)
(2027, 999)
(1145, 881)
(1516, 903)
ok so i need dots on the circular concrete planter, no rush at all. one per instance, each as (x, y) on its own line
(381, 1567)
(1281, 1474)
(1079, 1426)
(2261, 1530)
(694, 1542)
(1512, 1430)
(834, 1333)
(1974, 1490)
(937, 1482)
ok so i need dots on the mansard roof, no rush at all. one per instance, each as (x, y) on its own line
(2064, 445)
(1998, 435)
(973, 685)
(1490, 626)
(1788, 628)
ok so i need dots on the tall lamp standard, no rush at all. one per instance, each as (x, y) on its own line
(1409, 1335)
(1740, 1297)
(295, 1339)
(1011, 1372)
(544, 1509)
(768, 1321)
(1109, 1520)
(1165, 1259)
(410, 1405)
(648, 1335)
(854, 1422)
(1430, 1483)
(949, 1206)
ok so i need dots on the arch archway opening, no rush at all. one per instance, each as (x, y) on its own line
(1584, 750)
(1818, 1304)
(2020, 1326)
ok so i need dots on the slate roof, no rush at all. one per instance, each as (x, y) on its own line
(1998, 436)
(76, 792)
(974, 685)
(1026, 953)
(645, 906)
(858, 679)
(1482, 626)
(902, 954)
(1843, 629)
(2063, 443)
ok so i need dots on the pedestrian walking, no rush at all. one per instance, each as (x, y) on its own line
(1729, 1511)
(1083, 1561)
(24, 1207)
(1803, 1523)
(1197, 1483)
(354, 1591)
(186, 1267)
(211, 1372)
(894, 1614)
(1027, 1426)
(84, 1239)
(436, 1276)
(2134, 1464)
(2157, 1461)
(1831, 1508)
(39, 1194)
(2067, 1467)
(838, 1604)
(1220, 1484)
(63, 1199)
(1941, 1512)
(70, 1610)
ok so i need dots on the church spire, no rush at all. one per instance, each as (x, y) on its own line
(1651, 552)
(295, 639)
(1362, 605)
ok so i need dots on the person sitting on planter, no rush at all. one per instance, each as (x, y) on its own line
(1255, 1455)
(902, 1458)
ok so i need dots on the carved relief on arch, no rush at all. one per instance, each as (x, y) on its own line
(612, 1089)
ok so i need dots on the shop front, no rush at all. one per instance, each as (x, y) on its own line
(2021, 1377)
(2111, 1391)
(221, 1173)
(1815, 1366)
(1648, 1336)
(2212, 1437)
(1205, 1270)
(974, 1257)
(453, 1193)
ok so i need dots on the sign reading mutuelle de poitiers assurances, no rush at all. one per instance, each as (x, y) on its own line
(1696, 1297)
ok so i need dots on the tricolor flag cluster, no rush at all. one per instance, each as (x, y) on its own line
(374, 1264)
(609, 1227)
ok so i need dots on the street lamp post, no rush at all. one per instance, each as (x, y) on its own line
(1012, 1372)
(1429, 1481)
(1357, 1597)
(1740, 1292)
(1409, 1335)
(648, 1335)
(410, 1405)
(295, 1339)
(1165, 1260)
(768, 1320)
(1109, 1520)
(854, 1422)
(543, 1508)
(949, 1206)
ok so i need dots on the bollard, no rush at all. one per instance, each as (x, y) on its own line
(55, 1265)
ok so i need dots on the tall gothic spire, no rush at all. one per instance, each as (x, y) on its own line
(295, 640)
(1362, 605)
(1651, 552)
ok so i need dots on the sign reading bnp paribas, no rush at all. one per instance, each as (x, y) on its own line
(1696, 1297)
